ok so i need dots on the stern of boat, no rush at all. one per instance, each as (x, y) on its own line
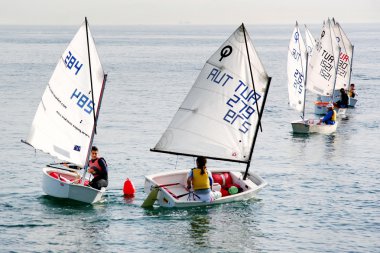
(301, 126)
(173, 192)
(352, 102)
(61, 183)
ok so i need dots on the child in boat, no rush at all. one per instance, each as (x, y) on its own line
(202, 181)
(330, 117)
(98, 168)
(352, 91)
(343, 102)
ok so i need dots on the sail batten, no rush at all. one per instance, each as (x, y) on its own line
(218, 117)
(64, 122)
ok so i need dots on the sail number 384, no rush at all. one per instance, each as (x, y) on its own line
(71, 61)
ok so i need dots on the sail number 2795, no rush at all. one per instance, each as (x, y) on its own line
(84, 102)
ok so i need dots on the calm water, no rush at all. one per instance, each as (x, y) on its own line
(323, 193)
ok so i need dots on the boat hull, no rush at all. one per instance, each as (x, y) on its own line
(311, 126)
(171, 196)
(64, 186)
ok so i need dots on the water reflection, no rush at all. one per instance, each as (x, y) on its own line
(199, 227)
(299, 137)
(75, 223)
(52, 202)
(330, 142)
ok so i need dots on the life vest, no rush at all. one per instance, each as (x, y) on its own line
(200, 181)
(351, 92)
(96, 164)
(333, 117)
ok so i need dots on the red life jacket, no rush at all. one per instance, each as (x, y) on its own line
(96, 164)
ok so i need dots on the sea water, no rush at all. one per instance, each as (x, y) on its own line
(323, 193)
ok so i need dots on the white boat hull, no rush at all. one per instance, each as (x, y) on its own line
(311, 126)
(65, 187)
(170, 196)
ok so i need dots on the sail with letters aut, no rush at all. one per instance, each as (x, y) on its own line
(219, 116)
(64, 122)
(296, 68)
(345, 59)
(322, 67)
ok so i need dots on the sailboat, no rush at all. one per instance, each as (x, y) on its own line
(219, 119)
(343, 78)
(315, 75)
(65, 122)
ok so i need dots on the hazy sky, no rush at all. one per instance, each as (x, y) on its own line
(214, 12)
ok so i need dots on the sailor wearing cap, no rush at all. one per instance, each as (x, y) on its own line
(330, 117)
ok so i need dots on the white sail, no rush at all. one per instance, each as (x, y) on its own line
(218, 118)
(64, 121)
(321, 72)
(297, 56)
(309, 40)
(345, 58)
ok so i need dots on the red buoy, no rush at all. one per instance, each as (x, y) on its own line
(129, 188)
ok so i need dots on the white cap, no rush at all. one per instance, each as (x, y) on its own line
(330, 105)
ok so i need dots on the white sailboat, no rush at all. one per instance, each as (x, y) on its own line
(297, 73)
(343, 78)
(219, 119)
(318, 77)
(65, 122)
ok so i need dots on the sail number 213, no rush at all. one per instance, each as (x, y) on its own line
(84, 102)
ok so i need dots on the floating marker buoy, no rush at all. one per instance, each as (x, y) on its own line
(129, 188)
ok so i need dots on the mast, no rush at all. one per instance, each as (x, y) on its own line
(89, 64)
(259, 112)
(93, 129)
(250, 70)
(305, 77)
(96, 114)
(304, 95)
(336, 67)
(257, 129)
(352, 58)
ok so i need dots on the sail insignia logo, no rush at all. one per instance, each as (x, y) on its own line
(77, 148)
